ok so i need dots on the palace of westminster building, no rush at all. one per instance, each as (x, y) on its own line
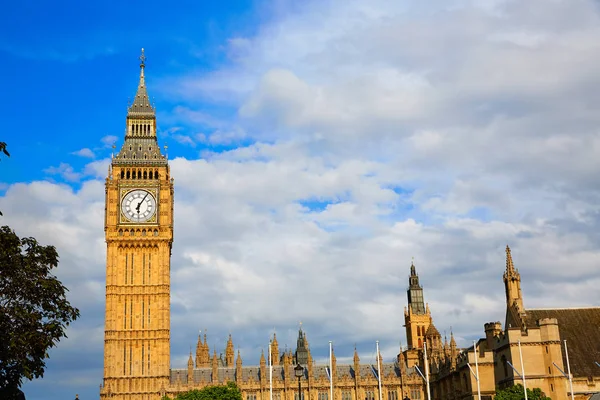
(139, 237)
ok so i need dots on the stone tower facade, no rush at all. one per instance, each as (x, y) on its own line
(139, 235)
(302, 352)
(515, 311)
(417, 317)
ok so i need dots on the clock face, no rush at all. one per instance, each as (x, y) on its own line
(138, 205)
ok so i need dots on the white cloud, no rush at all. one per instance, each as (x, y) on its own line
(109, 140)
(183, 139)
(65, 171)
(85, 152)
(382, 131)
(477, 112)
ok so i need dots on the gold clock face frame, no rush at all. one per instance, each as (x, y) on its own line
(138, 206)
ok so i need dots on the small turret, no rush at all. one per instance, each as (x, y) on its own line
(356, 364)
(263, 367)
(238, 368)
(380, 366)
(453, 352)
(446, 347)
(206, 359)
(275, 350)
(333, 366)
(190, 370)
(401, 362)
(263, 361)
(199, 348)
(202, 353)
(229, 352)
(492, 330)
(434, 342)
(215, 368)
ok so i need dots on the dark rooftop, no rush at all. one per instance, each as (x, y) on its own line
(580, 327)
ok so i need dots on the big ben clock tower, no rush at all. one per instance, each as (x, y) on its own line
(139, 236)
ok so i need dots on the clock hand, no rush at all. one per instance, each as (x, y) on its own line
(140, 203)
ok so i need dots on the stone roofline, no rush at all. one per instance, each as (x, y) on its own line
(209, 368)
(560, 308)
(145, 114)
(142, 163)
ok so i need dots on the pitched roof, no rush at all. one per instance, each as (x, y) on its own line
(229, 373)
(432, 331)
(141, 103)
(579, 327)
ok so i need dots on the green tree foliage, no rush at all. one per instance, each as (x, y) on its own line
(516, 393)
(34, 311)
(226, 392)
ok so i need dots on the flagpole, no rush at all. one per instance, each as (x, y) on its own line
(330, 370)
(569, 371)
(401, 376)
(522, 370)
(477, 370)
(270, 373)
(427, 372)
(378, 369)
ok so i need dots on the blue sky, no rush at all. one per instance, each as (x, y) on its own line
(67, 68)
(317, 146)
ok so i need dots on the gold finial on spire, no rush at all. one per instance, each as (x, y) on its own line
(142, 59)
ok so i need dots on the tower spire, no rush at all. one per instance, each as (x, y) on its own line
(415, 292)
(510, 267)
(512, 282)
(301, 348)
(142, 65)
(514, 296)
(141, 102)
(140, 145)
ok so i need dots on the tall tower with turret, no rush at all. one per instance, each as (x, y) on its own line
(417, 317)
(302, 353)
(515, 311)
(139, 235)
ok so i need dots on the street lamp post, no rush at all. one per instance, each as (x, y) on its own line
(299, 370)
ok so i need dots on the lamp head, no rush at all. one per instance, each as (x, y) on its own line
(299, 370)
